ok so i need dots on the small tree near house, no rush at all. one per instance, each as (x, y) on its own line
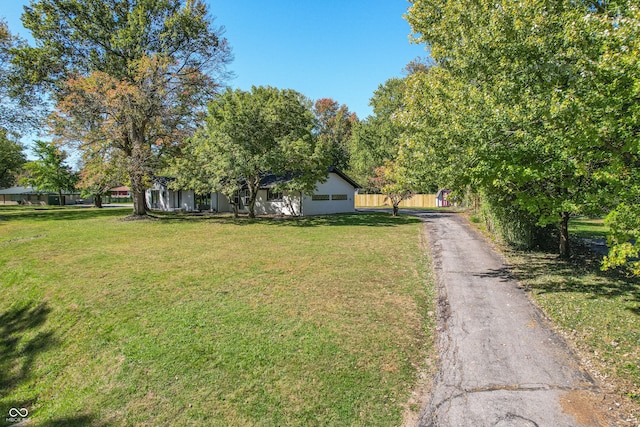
(48, 172)
(391, 181)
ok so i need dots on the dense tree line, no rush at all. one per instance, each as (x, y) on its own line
(532, 108)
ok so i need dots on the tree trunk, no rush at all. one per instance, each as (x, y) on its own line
(395, 209)
(60, 198)
(138, 163)
(565, 252)
(253, 195)
(139, 205)
(97, 200)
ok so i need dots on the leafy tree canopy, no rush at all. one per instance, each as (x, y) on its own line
(532, 102)
(334, 126)
(249, 134)
(132, 75)
(20, 108)
(49, 173)
(11, 159)
(378, 139)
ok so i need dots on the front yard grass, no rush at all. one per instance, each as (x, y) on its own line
(211, 321)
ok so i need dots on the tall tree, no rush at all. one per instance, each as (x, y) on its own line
(134, 75)
(334, 126)
(377, 141)
(249, 134)
(20, 108)
(522, 124)
(49, 172)
(11, 159)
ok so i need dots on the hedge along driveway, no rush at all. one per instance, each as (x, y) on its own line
(211, 321)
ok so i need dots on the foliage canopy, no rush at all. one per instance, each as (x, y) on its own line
(249, 134)
(532, 104)
(132, 76)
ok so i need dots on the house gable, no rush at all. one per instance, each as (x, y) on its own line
(335, 195)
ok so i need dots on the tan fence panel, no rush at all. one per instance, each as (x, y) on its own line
(375, 200)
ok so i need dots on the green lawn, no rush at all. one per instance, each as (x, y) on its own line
(588, 228)
(211, 321)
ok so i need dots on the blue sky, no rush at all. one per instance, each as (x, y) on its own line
(340, 49)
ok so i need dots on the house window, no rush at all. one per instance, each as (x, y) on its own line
(155, 197)
(274, 196)
(240, 198)
(320, 197)
(338, 197)
(203, 201)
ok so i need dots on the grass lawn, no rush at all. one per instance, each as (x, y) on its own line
(598, 312)
(211, 321)
(589, 228)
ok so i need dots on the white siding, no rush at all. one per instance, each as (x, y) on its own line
(333, 186)
(272, 207)
(220, 203)
(169, 200)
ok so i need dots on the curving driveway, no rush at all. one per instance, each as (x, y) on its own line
(500, 363)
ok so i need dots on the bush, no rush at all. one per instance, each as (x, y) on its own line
(515, 226)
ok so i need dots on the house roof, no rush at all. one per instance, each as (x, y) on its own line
(19, 190)
(270, 180)
(442, 192)
(122, 188)
(163, 180)
(30, 190)
(344, 176)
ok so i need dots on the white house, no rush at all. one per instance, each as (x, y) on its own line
(160, 197)
(335, 195)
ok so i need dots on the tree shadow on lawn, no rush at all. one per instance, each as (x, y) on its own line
(61, 214)
(364, 219)
(74, 421)
(21, 341)
(82, 420)
(581, 274)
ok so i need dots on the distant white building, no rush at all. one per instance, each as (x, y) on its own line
(32, 196)
(335, 195)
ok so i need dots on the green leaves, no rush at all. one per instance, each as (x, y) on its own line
(334, 125)
(132, 75)
(11, 159)
(533, 104)
(624, 238)
(249, 134)
(49, 172)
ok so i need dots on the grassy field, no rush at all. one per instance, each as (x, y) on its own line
(589, 228)
(598, 312)
(211, 321)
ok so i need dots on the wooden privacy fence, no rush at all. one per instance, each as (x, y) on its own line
(375, 200)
